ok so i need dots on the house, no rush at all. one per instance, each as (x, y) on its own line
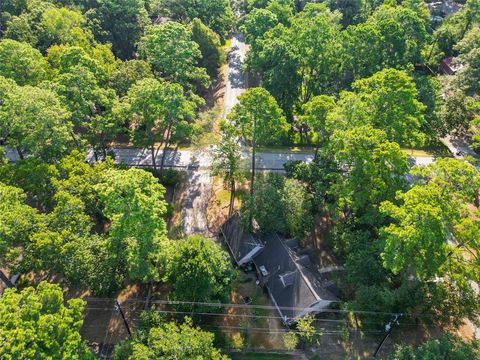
(242, 244)
(442, 9)
(449, 66)
(294, 285)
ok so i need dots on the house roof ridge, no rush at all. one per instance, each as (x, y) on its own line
(307, 281)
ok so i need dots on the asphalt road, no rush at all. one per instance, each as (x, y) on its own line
(236, 81)
(202, 159)
(457, 146)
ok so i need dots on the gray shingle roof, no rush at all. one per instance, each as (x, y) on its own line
(242, 244)
(293, 285)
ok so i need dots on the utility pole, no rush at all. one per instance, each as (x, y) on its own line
(388, 329)
(254, 141)
(119, 309)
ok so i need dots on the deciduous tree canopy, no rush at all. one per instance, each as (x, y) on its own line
(35, 323)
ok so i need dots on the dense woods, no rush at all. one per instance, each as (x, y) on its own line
(360, 85)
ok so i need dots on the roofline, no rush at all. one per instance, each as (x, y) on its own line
(251, 254)
(276, 305)
(239, 262)
(310, 287)
(229, 247)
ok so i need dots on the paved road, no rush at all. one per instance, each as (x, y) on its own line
(457, 146)
(236, 82)
(202, 159)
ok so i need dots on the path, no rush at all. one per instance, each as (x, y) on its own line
(195, 204)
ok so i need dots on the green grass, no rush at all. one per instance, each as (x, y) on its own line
(286, 149)
(417, 152)
(259, 356)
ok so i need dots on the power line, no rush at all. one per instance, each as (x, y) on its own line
(247, 306)
(263, 307)
(280, 331)
(260, 316)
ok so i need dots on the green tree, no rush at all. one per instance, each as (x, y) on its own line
(258, 22)
(470, 71)
(216, 14)
(403, 35)
(173, 54)
(119, 23)
(200, 271)
(33, 121)
(429, 94)
(17, 222)
(73, 175)
(353, 12)
(209, 45)
(297, 208)
(275, 59)
(265, 207)
(259, 121)
(128, 73)
(393, 36)
(363, 265)
(22, 63)
(417, 239)
(62, 26)
(314, 33)
(134, 204)
(299, 61)
(36, 324)
(475, 129)
(315, 113)
(60, 245)
(43, 24)
(362, 54)
(227, 162)
(457, 111)
(171, 341)
(159, 112)
(65, 58)
(453, 30)
(456, 177)
(91, 106)
(281, 205)
(445, 347)
(306, 328)
(430, 229)
(375, 168)
(390, 103)
(283, 9)
(39, 187)
(469, 42)
(13, 7)
(3, 156)
(470, 14)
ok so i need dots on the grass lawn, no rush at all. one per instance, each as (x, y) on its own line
(286, 149)
(417, 152)
(259, 356)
